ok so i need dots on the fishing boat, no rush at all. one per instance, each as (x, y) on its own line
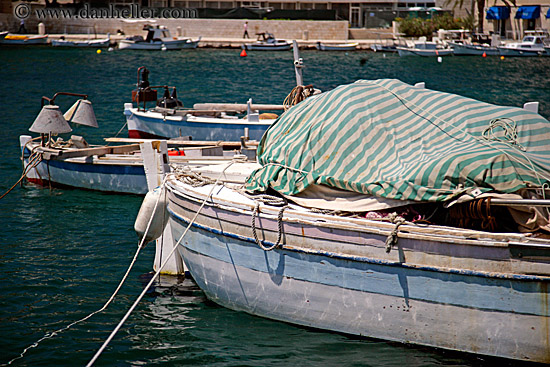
(531, 45)
(101, 42)
(168, 118)
(463, 48)
(157, 39)
(3, 35)
(118, 165)
(424, 48)
(350, 46)
(394, 212)
(267, 42)
(16, 39)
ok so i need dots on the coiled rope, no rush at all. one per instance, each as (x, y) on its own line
(510, 132)
(392, 238)
(297, 95)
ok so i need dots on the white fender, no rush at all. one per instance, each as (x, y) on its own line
(155, 197)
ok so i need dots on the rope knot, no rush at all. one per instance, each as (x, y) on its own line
(392, 238)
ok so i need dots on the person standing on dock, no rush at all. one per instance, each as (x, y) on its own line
(22, 29)
(245, 34)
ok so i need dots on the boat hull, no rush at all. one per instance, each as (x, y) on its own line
(152, 46)
(32, 40)
(403, 51)
(82, 174)
(333, 278)
(343, 47)
(92, 43)
(268, 47)
(467, 50)
(145, 125)
(520, 52)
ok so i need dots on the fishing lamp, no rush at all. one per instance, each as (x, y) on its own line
(51, 121)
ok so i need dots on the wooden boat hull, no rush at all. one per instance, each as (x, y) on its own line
(90, 173)
(268, 47)
(435, 289)
(152, 46)
(521, 52)
(465, 49)
(20, 40)
(405, 51)
(91, 43)
(342, 47)
(156, 125)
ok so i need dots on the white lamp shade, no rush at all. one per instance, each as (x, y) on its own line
(81, 113)
(50, 120)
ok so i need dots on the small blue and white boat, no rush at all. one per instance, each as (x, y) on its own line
(383, 227)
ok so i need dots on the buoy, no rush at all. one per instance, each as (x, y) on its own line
(439, 59)
(243, 53)
(148, 210)
(484, 54)
(110, 49)
(163, 47)
(502, 57)
(98, 52)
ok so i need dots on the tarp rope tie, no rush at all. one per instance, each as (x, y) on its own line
(392, 238)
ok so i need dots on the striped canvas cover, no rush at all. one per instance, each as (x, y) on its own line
(392, 140)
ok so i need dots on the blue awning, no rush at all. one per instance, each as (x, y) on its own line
(498, 13)
(528, 12)
(548, 13)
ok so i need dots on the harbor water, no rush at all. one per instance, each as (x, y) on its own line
(64, 251)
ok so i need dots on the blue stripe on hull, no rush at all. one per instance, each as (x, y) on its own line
(98, 168)
(528, 295)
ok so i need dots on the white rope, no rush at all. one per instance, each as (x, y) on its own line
(54, 333)
(157, 273)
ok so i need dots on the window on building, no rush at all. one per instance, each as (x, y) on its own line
(322, 6)
(195, 4)
(158, 3)
(226, 4)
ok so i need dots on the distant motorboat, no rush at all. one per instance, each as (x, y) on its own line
(532, 45)
(102, 42)
(16, 39)
(336, 47)
(267, 42)
(157, 39)
(473, 49)
(424, 48)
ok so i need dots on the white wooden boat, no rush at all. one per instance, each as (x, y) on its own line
(351, 46)
(101, 42)
(168, 118)
(114, 168)
(16, 39)
(461, 48)
(3, 35)
(267, 42)
(532, 45)
(157, 39)
(419, 282)
(424, 48)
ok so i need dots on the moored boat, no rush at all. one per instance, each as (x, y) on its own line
(424, 48)
(267, 42)
(157, 39)
(462, 48)
(350, 46)
(380, 223)
(100, 42)
(16, 39)
(531, 45)
(168, 118)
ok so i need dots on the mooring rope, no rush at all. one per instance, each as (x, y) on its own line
(34, 160)
(54, 333)
(157, 273)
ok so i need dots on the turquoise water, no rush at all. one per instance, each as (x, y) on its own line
(63, 252)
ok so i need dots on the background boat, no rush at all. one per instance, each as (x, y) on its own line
(103, 42)
(64, 251)
(16, 39)
(336, 47)
(267, 42)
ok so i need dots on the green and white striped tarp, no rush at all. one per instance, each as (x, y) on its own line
(392, 140)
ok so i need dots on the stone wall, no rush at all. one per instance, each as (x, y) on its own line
(222, 28)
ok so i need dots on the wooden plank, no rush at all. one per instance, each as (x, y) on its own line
(102, 150)
(190, 143)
